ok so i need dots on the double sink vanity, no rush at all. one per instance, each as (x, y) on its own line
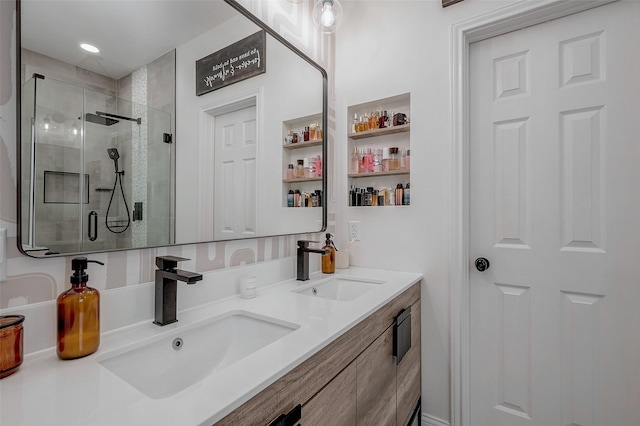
(324, 347)
(339, 349)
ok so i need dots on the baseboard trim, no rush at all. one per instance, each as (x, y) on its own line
(428, 420)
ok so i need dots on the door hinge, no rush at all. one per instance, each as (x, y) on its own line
(167, 138)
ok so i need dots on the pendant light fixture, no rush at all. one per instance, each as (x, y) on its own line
(326, 15)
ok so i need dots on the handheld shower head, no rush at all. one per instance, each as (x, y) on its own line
(113, 154)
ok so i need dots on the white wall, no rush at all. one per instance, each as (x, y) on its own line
(385, 48)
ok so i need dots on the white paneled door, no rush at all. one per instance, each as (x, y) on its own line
(555, 209)
(235, 210)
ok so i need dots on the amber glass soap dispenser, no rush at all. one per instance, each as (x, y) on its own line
(79, 314)
(329, 259)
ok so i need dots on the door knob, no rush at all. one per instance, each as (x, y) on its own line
(482, 264)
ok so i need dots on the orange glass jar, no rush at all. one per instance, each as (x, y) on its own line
(10, 344)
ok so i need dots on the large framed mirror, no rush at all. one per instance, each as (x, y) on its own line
(194, 122)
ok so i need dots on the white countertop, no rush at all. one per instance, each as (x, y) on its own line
(48, 391)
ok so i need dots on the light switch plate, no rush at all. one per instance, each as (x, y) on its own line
(354, 230)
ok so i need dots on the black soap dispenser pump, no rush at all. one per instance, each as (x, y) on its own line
(329, 259)
(78, 314)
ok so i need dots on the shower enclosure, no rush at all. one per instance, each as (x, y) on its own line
(96, 171)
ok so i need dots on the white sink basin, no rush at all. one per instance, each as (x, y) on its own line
(166, 366)
(339, 288)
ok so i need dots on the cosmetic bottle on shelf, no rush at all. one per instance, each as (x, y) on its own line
(319, 166)
(300, 169)
(399, 194)
(407, 195)
(394, 161)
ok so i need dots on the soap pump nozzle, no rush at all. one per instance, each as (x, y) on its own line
(329, 242)
(79, 266)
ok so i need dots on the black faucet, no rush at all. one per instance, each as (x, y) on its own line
(303, 258)
(167, 277)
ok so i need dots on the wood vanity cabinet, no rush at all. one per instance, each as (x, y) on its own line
(352, 381)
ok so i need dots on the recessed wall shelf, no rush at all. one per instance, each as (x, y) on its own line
(372, 174)
(379, 162)
(316, 179)
(302, 144)
(380, 132)
(309, 153)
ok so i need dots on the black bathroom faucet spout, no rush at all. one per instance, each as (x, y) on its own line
(167, 277)
(303, 258)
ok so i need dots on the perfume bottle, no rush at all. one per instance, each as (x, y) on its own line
(312, 132)
(385, 159)
(354, 161)
(291, 174)
(369, 160)
(394, 161)
(399, 194)
(319, 166)
(306, 167)
(310, 167)
(377, 161)
(382, 120)
(373, 121)
(403, 159)
(300, 169)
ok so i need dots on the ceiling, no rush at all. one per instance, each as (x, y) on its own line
(129, 33)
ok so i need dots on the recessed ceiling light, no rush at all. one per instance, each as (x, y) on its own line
(89, 48)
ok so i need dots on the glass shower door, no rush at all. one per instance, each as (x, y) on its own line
(53, 184)
(96, 171)
(129, 165)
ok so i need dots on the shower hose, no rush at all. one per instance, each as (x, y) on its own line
(124, 198)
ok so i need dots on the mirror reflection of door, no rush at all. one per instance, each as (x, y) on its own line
(235, 153)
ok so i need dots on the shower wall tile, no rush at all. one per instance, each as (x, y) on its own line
(39, 280)
(139, 145)
(124, 90)
(161, 85)
(33, 62)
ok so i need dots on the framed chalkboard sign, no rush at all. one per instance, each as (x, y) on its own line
(239, 61)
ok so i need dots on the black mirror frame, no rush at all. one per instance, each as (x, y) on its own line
(245, 13)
